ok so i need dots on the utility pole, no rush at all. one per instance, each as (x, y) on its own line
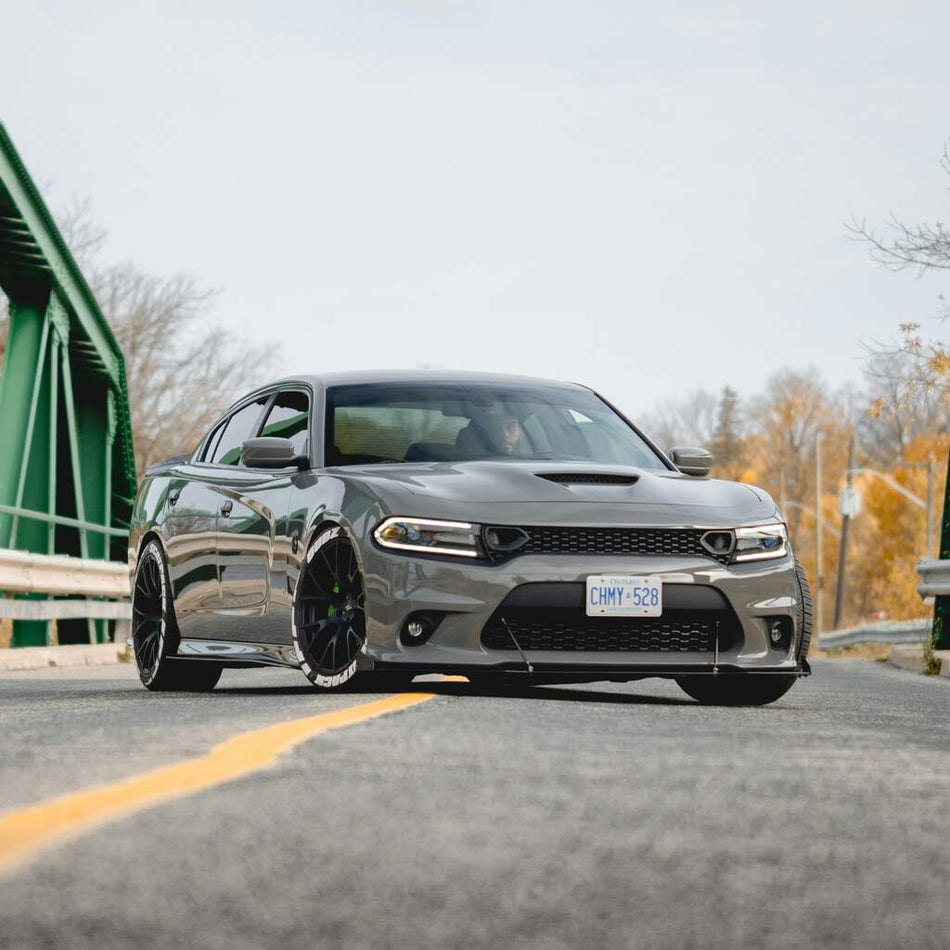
(843, 544)
(929, 546)
(818, 527)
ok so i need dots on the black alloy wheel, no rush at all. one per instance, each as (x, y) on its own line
(148, 614)
(155, 633)
(329, 626)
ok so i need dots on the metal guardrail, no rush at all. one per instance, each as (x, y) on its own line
(895, 631)
(934, 577)
(22, 572)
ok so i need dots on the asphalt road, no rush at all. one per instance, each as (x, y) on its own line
(595, 816)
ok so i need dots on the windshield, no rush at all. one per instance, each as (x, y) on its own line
(443, 422)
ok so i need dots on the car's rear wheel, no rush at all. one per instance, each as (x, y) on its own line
(329, 615)
(737, 689)
(155, 633)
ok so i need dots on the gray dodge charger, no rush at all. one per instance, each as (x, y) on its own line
(512, 530)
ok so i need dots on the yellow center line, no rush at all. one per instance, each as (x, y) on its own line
(23, 831)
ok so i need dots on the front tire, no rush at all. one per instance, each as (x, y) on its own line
(737, 689)
(155, 633)
(329, 615)
(805, 612)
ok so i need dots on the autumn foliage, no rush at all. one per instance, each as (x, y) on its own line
(901, 429)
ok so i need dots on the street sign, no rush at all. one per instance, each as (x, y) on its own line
(850, 502)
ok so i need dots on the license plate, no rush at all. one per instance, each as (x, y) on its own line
(624, 596)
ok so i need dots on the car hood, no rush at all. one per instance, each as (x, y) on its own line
(520, 491)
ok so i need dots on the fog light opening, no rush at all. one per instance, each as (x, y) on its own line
(779, 632)
(419, 626)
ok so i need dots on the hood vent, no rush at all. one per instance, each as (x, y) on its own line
(587, 478)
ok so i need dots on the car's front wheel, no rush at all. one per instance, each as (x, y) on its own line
(329, 615)
(155, 633)
(737, 689)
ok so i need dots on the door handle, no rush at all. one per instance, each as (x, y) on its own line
(173, 496)
(226, 507)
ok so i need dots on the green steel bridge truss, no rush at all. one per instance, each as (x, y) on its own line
(67, 469)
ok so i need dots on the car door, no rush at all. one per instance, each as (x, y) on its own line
(252, 539)
(189, 529)
(190, 526)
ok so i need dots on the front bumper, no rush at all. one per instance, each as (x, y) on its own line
(468, 594)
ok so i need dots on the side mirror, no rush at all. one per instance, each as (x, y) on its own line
(270, 452)
(692, 461)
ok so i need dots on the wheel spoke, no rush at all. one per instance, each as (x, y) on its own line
(150, 578)
(323, 655)
(145, 623)
(149, 637)
(326, 560)
(351, 637)
(323, 591)
(313, 631)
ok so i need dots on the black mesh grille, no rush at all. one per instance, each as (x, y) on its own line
(551, 616)
(627, 635)
(682, 542)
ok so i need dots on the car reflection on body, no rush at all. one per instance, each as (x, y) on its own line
(382, 525)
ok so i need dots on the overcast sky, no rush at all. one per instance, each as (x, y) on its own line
(642, 197)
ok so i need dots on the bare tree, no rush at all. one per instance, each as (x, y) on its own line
(924, 247)
(180, 367)
(900, 245)
(180, 372)
(899, 408)
(686, 420)
(786, 419)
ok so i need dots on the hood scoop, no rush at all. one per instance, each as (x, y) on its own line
(587, 478)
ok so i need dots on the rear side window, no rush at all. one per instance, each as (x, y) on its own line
(289, 418)
(240, 426)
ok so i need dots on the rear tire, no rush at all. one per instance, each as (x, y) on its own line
(737, 689)
(155, 634)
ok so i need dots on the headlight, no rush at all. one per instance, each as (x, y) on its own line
(456, 538)
(761, 542)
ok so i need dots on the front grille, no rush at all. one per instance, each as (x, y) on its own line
(678, 542)
(619, 635)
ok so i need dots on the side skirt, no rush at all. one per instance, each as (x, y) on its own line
(589, 674)
(239, 654)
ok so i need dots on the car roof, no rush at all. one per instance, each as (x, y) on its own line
(357, 377)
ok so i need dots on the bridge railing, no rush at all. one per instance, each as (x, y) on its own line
(75, 588)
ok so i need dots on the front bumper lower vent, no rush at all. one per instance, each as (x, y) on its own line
(550, 616)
